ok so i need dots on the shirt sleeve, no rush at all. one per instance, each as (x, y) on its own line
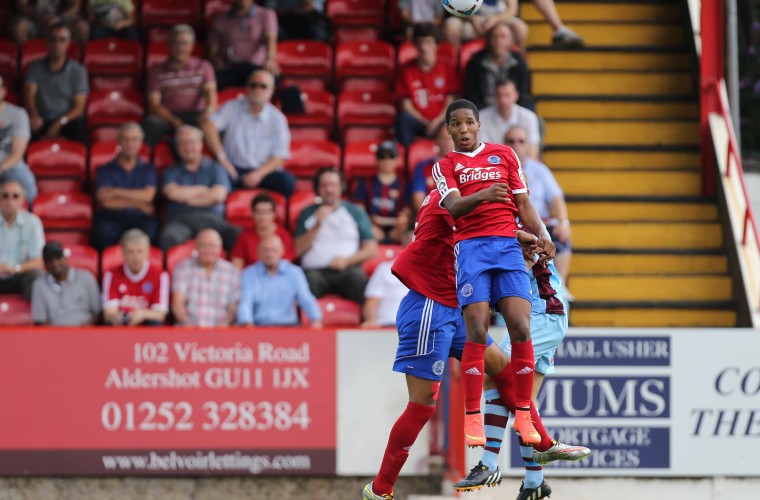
(305, 298)
(80, 80)
(160, 296)
(37, 238)
(222, 117)
(363, 222)
(221, 177)
(444, 178)
(245, 305)
(180, 278)
(515, 175)
(93, 292)
(235, 284)
(302, 218)
(533, 129)
(208, 73)
(287, 242)
(271, 21)
(170, 176)
(151, 176)
(419, 185)
(109, 297)
(21, 128)
(153, 84)
(39, 307)
(359, 195)
(552, 186)
(281, 142)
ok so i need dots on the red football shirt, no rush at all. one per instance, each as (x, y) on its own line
(469, 173)
(427, 90)
(247, 246)
(149, 289)
(426, 265)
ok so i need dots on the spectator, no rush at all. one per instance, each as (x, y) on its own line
(195, 190)
(112, 18)
(497, 61)
(181, 90)
(301, 19)
(245, 251)
(506, 113)
(137, 292)
(383, 295)
(385, 197)
(422, 177)
(21, 241)
(14, 138)
(241, 40)
(548, 199)
(125, 189)
(55, 91)
(462, 29)
(425, 87)
(256, 137)
(34, 17)
(562, 35)
(271, 289)
(417, 12)
(65, 296)
(205, 289)
(333, 239)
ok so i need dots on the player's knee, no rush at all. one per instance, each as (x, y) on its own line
(519, 331)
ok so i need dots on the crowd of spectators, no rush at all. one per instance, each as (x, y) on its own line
(275, 270)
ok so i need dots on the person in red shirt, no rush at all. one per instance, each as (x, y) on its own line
(490, 267)
(245, 251)
(425, 87)
(137, 292)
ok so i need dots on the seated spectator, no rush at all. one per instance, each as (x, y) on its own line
(195, 190)
(497, 61)
(271, 289)
(562, 36)
(34, 17)
(181, 90)
(383, 295)
(422, 177)
(384, 196)
(125, 189)
(21, 241)
(333, 238)
(14, 138)
(112, 18)
(458, 30)
(137, 292)
(425, 88)
(417, 12)
(65, 296)
(256, 138)
(241, 40)
(506, 113)
(301, 19)
(205, 289)
(245, 252)
(55, 91)
(548, 199)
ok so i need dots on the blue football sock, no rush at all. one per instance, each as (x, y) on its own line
(495, 421)
(534, 473)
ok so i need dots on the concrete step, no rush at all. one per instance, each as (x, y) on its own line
(608, 60)
(558, 159)
(647, 133)
(647, 235)
(616, 34)
(630, 317)
(616, 109)
(627, 211)
(651, 288)
(629, 183)
(571, 12)
(624, 264)
(609, 83)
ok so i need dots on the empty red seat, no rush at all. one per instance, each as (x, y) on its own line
(178, 253)
(407, 52)
(8, 61)
(239, 206)
(113, 257)
(318, 120)
(159, 51)
(420, 150)
(170, 12)
(305, 61)
(337, 311)
(306, 157)
(297, 202)
(468, 50)
(229, 94)
(384, 253)
(163, 156)
(103, 152)
(370, 110)
(57, 164)
(356, 19)
(111, 108)
(359, 64)
(113, 63)
(82, 257)
(66, 217)
(359, 159)
(15, 311)
(37, 49)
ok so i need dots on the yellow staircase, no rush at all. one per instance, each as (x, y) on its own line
(622, 137)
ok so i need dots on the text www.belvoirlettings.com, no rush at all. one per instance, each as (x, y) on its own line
(206, 462)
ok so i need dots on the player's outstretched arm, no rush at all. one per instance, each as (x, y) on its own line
(459, 205)
(530, 219)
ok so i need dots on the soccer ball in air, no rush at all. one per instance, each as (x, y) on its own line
(462, 8)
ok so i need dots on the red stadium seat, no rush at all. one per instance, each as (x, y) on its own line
(468, 50)
(359, 159)
(37, 49)
(356, 19)
(82, 257)
(373, 111)
(163, 156)
(15, 311)
(407, 52)
(303, 62)
(229, 94)
(66, 217)
(365, 65)
(384, 254)
(110, 109)
(306, 157)
(318, 121)
(239, 206)
(298, 201)
(8, 61)
(112, 257)
(57, 164)
(170, 12)
(113, 64)
(103, 152)
(420, 150)
(159, 51)
(337, 311)
(178, 253)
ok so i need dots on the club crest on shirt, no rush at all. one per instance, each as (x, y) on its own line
(439, 82)
(494, 160)
(438, 367)
(147, 287)
(467, 290)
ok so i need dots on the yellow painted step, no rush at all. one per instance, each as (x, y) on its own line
(611, 160)
(647, 235)
(551, 108)
(647, 211)
(616, 34)
(639, 317)
(651, 288)
(663, 264)
(605, 61)
(621, 133)
(628, 183)
(585, 11)
(561, 83)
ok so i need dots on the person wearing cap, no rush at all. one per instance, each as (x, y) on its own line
(21, 241)
(65, 296)
(14, 138)
(385, 196)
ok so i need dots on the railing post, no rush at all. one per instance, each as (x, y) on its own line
(710, 72)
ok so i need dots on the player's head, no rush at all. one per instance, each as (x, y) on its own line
(463, 124)
(135, 246)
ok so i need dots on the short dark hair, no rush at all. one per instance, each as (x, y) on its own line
(461, 104)
(57, 26)
(424, 30)
(501, 82)
(263, 198)
(327, 170)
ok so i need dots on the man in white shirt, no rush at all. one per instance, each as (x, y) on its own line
(496, 120)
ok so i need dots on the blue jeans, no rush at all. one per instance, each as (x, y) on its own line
(279, 181)
(23, 176)
(407, 128)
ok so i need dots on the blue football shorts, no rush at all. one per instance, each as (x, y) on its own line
(428, 334)
(547, 332)
(489, 269)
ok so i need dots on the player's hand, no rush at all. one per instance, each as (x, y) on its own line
(547, 248)
(528, 243)
(496, 193)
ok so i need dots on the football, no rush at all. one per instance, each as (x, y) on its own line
(462, 8)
